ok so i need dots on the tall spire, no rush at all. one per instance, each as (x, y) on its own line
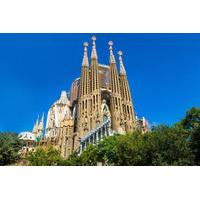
(112, 57)
(41, 125)
(122, 69)
(94, 51)
(35, 128)
(85, 56)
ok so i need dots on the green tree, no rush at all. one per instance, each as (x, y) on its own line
(192, 119)
(170, 146)
(191, 123)
(44, 157)
(10, 145)
(163, 146)
(73, 160)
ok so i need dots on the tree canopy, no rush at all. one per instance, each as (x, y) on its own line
(10, 145)
(44, 157)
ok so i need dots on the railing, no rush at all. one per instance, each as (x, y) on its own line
(96, 134)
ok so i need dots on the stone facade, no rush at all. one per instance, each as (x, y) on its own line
(100, 105)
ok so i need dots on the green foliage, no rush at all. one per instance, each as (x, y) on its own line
(44, 157)
(192, 119)
(191, 123)
(10, 145)
(170, 147)
(163, 146)
(73, 160)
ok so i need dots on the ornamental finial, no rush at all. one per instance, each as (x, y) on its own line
(120, 53)
(110, 43)
(112, 58)
(85, 56)
(85, 44)
(94, 51)
(122, 69)
(94, 38)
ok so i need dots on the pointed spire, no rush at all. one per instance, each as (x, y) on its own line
(35, 128)
(94, 51)
(112, 57)
(85, 56)
(122, 69)
(41, 125)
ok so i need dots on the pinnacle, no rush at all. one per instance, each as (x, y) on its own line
(122, 69)
(112, 57)
(94, 51)
(85, 56)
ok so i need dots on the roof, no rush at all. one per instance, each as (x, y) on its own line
(26, 135)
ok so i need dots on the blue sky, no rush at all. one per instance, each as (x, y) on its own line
(163, 72)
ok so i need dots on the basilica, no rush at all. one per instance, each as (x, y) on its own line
(98, 105)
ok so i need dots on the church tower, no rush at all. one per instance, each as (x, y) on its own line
(84, 96)
(66, 139)
(117, 118)
(95, 91)
(128, 110)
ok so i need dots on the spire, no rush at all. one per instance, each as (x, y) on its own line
(85, 56)
(94, 51)
(112, 57)
(122, 69)
(35, 128)
(41, 125)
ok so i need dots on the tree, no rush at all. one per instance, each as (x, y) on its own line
(10, 145)
(170, 146)
(192, 119)
(191, 123)
(73, 160)
(162, 146)
(44, 157)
